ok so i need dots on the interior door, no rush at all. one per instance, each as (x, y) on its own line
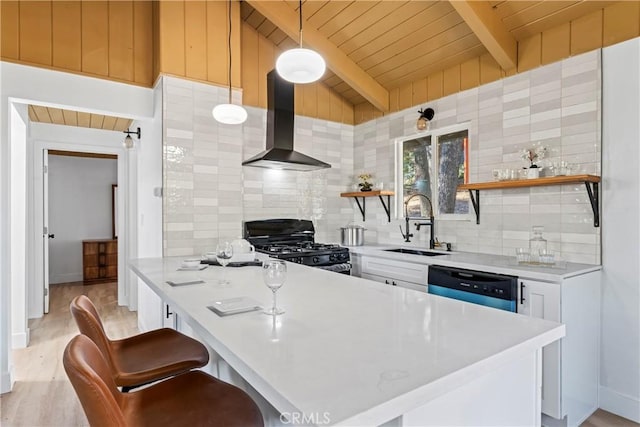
(45, 230)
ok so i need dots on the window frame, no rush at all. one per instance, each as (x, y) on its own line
(399, 190)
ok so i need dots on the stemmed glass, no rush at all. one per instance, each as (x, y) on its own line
(224, 252)
(274, 273)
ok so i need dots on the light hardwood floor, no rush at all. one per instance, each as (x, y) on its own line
(43, 396)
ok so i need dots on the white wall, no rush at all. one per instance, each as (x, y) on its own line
(20, 331)
(149, 206)
(24, 85)
(620, 356)
(79, 209)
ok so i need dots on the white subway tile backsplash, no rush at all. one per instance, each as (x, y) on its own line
(559, 98)
(557, 104)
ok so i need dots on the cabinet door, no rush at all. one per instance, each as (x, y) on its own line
(542, 300)
(376, 278)
(168, 317)
(410, 285)
(150, 308)
(406, 271)
(395, 282)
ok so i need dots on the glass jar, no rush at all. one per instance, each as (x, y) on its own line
(537, 243)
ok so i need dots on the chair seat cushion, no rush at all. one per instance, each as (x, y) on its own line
(191, 399)
(155, 355)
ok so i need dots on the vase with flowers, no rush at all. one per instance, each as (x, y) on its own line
(533, 155)
(365, 181)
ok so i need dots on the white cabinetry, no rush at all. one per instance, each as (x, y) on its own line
(542, 300)
(395, 273)
(569, 366)
(150, 313)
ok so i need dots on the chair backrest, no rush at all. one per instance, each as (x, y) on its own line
(89, 324)
(91, 378)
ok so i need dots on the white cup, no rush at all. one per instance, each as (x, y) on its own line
(241, 246)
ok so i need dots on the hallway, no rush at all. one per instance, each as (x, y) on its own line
(42, 394)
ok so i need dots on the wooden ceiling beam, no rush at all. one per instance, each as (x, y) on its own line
(487, 26)
(285, 18)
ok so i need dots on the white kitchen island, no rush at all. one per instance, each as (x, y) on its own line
(348, 351)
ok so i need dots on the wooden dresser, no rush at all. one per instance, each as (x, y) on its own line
(100, 260)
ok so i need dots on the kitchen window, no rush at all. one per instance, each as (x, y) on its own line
(434, 163)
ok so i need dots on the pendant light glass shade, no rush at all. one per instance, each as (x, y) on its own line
(300, 65)
(229, 114)
(128, 142)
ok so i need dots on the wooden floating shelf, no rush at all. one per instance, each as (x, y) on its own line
(537, 182)
(590, 181)
(364, 194)
(368, 193)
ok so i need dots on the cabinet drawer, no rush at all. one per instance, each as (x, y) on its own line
(409, 272)
(91, 273)
(111, 247)
(90, 260)
(111, 271)
(90, 248)
(395, 282)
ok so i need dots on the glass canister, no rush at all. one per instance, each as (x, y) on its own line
(537, 243)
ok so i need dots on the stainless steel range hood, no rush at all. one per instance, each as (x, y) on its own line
(280, 119)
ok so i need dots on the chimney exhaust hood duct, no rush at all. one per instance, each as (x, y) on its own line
(280, 118)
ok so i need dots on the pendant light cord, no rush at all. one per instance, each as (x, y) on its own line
(229, 46)
(300, 23)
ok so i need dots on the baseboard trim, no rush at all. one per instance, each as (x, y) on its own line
(20, 339)
(54, 279)
(620, 404)
(6, 382)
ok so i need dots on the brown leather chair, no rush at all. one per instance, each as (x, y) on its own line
(142, 358)
(190, 399)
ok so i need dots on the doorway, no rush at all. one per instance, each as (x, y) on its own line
(47, 138)
(78, 195)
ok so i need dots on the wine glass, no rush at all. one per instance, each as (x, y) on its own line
(274, 273)
(224, 252)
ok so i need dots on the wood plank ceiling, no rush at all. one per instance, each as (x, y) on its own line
(397, 42)
(57, 116)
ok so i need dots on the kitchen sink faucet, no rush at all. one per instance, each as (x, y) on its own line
(407, 235)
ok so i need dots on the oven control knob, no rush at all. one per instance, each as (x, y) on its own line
(332, 257)
(298, 260)
(316, 260)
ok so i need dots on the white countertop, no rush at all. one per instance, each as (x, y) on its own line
(361, 351)
(480, 262)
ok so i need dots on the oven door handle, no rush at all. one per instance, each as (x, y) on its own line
(338, 268)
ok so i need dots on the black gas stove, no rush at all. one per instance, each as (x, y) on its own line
(294, 240)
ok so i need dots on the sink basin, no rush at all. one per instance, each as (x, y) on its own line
(414, 252)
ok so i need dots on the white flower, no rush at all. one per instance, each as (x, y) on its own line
(533, 154)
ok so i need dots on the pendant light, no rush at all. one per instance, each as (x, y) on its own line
(230, 113)
(300, 65)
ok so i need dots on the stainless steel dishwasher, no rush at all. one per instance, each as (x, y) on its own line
(492, 290)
